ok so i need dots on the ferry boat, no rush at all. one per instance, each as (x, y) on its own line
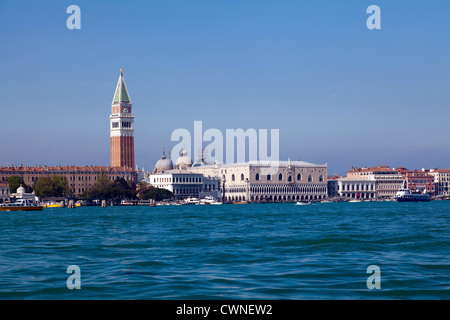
(21, 205)
(405, 195)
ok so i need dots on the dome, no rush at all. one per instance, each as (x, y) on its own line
(21, 189)
(184, 161)
(163, 164)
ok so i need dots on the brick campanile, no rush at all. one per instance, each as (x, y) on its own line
(121, 127)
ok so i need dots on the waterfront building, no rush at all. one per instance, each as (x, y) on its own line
(441, 180)
(264, 181)
(4, 192)
(333, 186)
(22, 194)
(79, 178)
(121, 127)
(388, 181)
(357, 188)
(416, 180)
(184, 184)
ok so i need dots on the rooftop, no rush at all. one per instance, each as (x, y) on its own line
(23, 168)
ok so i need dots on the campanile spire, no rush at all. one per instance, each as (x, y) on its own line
(121, 127)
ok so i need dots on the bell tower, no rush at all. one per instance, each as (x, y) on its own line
(121, 127)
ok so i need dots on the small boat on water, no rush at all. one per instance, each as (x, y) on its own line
(405, 195)
(191, 200)
(209, 200)
(302, 203)
(21, 205)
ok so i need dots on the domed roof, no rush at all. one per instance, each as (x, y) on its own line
(184, 161)
(163, 164)
(21, 189)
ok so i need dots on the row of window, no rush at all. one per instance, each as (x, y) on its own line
(280, 177)
(358, 187)
(125, 124)
(178, 180)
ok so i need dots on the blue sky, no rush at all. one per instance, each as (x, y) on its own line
(338, 92)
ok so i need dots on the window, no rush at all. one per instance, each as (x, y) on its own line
(280, 177)
(242, 177)
(232, 177)
(290, 178)
(310, 179)
(321, 178)
(257, 177)
(299, 177)
(115, 124)
(269, 177)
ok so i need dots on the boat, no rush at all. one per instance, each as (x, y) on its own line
(52, 204)
(190, 200)
(209, 200)
(81, 203)
(404, 194)
(21, 205)
(302, 203)
(126, 203)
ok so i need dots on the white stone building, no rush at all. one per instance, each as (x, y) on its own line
(357, 188)
(282, 181)
(254, 181)
(388, 181)
(4, 192)
(441, 181)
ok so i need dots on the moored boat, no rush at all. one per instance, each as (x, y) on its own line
(21, 205)
(404, 194)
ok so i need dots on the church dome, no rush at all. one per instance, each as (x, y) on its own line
(21, 189)
(163, 164)
(184, 161)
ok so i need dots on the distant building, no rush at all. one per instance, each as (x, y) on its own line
(22, 194)
(441, 179)
(417, 180)
(358, 188)
(79, 178)
(280, 181)
(184, 184)
(388, 181)
(333, 186)
(4, 192)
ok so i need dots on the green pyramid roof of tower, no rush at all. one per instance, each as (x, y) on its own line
(121, 94)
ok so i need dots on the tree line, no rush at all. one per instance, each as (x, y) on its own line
(58, 186)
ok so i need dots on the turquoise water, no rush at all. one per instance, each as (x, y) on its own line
(255, 251)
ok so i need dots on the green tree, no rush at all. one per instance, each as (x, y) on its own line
(147, 191)
(44, 187)
(56, 186)
(17, 181)
(106, 189)
(61, 186)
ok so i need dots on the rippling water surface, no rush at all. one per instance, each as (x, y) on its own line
(255, 251)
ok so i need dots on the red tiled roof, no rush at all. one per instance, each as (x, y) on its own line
(374, 169)
(63, 168)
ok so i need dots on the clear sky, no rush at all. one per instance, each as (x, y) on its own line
(338, 92)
